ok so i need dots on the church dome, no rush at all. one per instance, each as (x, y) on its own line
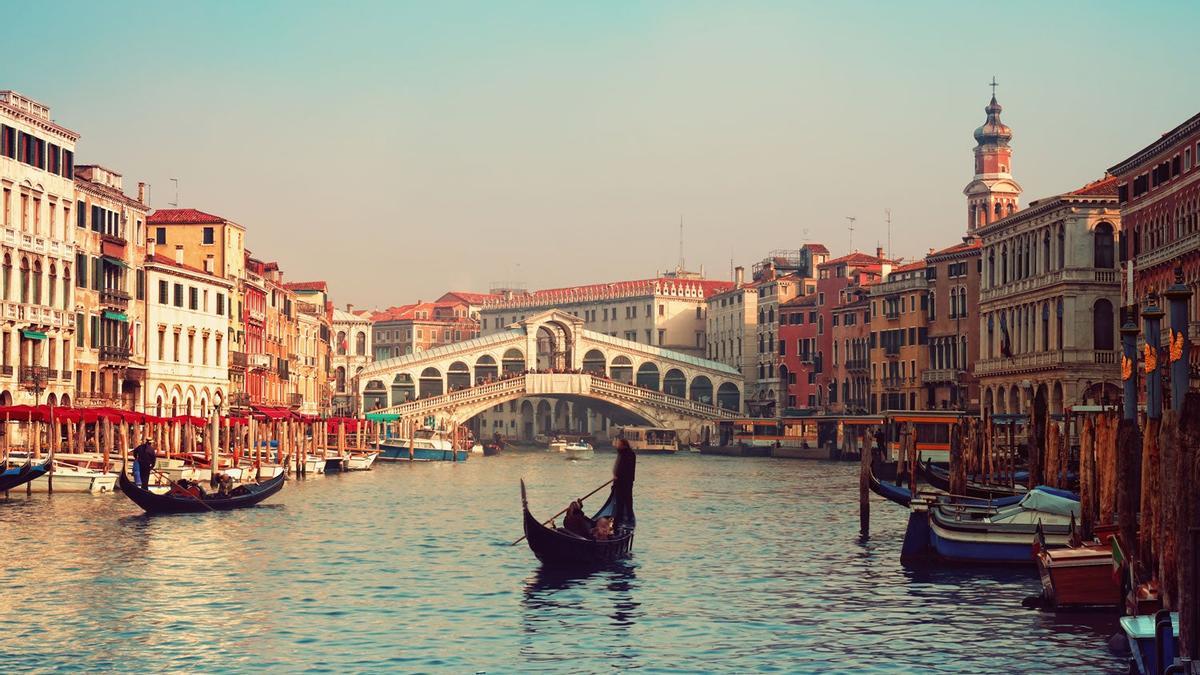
(993, 131)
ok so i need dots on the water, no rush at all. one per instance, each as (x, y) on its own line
(740, 565)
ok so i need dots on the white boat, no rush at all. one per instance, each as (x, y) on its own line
(70, 478)
(313, 465)
(579, 450)
(360, 462)
(425, 445)
(650, 440)
(557, 445)
(477, 449)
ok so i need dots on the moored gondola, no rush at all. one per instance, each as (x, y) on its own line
(896, 494)
(939, 478)
(557, 548)
(168, 503)
(18, 476)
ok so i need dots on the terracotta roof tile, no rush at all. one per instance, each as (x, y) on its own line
(1106, 186)
(181, 216)
(307, 286)
(910, 267)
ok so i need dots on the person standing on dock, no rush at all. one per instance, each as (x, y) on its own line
(144, 461)
(623, 473)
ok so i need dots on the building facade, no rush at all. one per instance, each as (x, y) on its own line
(1048, 302)
(110, 290)
(1158, 190)
(780, 277)
(314, 322)
(187, 365)
(798, 359)
(38, 210)
(731, 327)
(850, 371)
(953, 327)
(899, 305)
(352, 351)
(415, 328)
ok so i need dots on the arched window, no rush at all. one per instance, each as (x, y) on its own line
(1102, 246)
(1102, 325)
(24, 279)
(360, 344)
(1004, 265)
(341, 343)
(991, 268)
(53, 285)
(37, 282)
(7, 280)
(1062, 248)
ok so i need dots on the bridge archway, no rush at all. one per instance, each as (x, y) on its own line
(594, 362)
(647, 376)
(527, 431)
(431, 382)
(674, 383)
(513, 362)
(403, 388)
(701, 390)
(544, 419)
(458, 376)
(555, 338)
(486, 369)
(622, 369)
(728, 397)
(562, 415)
(375, 395)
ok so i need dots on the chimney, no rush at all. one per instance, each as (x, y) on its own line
(739, 276)
(879, 252)
(150, 247)
(349, 308)
(178, 254)
(142, 193)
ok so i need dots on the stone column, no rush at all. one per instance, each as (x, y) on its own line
(1178, 297)
(1152, 326)
(1129, 367)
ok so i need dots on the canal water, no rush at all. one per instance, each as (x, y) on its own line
(740, 565)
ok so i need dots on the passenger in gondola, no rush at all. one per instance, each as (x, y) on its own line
(186, 488)
(622, 490)
(603, 529)
(576, 522)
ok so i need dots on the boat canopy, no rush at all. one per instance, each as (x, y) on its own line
(383, 417)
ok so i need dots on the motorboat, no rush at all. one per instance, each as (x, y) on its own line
(579, 450)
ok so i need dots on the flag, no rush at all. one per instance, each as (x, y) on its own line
(1005, 340)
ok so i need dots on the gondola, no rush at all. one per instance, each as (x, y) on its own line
(556, 548)
(897, 494)
(167, 503)
(20, 475)
(939, 478)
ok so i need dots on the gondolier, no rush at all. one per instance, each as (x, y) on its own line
(624, 469)
(145, 459)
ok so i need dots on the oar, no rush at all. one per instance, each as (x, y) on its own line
(551, 518)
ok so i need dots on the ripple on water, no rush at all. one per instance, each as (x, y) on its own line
(739, 565)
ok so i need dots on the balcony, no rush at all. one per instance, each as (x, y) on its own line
(6, 371)
(256, 316)
(36, 378)
(112, 297)
(259, 361)
(1038, 282)
(237, 360)
(891, 316)
(941, 375)
(860, 365)
(97, 400)
(295, 400)
(112, 354)
(309, 308)
(239, 399)
(1168, 253)
(1050, 360)
(137, 374)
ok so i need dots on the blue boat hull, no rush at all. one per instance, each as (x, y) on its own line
(389, 452)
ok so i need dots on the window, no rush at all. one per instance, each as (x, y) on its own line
(193, 298)
(141, 284)
(160, 235)
(178, 295)
(662, 335)
(191, 348)
(163, 292)
(94, 328)
(220, 304)
(1103, 246)
(209, 238)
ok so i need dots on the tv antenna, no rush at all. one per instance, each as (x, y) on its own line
(850, 228)
(887, 213)
(176, 202)
(679, 269)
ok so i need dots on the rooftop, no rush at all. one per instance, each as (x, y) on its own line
(1164, 142)
(1104, 186)
(700, 288)
(307, 286)
(182, 217)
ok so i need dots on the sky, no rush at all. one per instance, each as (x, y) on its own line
(399, 150)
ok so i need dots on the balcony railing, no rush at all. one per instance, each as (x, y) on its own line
(239, 399)
(857, 364)
(940, 375)
(237, 360)
(111, 354)
(113, 297)
(36, 377)
(1040, 281)
(1059, 358)
(7, 371)
(96, 400)
(295, 400)
(259, 361)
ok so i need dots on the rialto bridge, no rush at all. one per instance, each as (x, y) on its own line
(574, 379)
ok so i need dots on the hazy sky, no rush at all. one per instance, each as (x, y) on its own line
(398, 150)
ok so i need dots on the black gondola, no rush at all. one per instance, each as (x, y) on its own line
(896, 494)
(18, 476)
(556, 548)
(939, 479)
(167, 503)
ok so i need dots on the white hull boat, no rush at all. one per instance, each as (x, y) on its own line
(73, 479)
(361, 462)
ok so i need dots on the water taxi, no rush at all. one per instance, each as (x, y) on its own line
(579, 450)
(650, 440)
(426, 445)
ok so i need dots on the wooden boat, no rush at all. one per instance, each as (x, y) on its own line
(939, 478)
(1000, 532)
(492, 449)
(1078, 577)
(19, 475)
(897, 494)
(557, 548)
(167, 503)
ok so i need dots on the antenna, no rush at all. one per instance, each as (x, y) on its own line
(850, 228)
(176, 202)
(679, 270)
(888, 217)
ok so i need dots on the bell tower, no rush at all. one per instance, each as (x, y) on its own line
(992, 194)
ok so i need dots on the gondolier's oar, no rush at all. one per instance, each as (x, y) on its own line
(169, 482)
(551, 518)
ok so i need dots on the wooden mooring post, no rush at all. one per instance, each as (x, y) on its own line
(864, 491)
